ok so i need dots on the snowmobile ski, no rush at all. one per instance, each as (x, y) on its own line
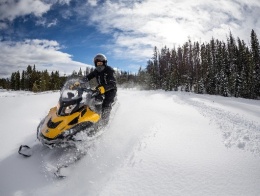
(63, 170)
(60, 172)
(25, 150)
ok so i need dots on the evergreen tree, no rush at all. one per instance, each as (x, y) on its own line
(153, 71)
(224, 70)
(28, 78)
(184, 67)
(256, 64)
(23, 80)
(55, 82)
(191, 61)
(174, 73)
(143, 78)
(233, 77)
(80, 72)
(17, 80)
(35, 75)
(35, 88)
(241, 69)
(13, 81)
(210, 75)
(197, 68)
(203, 70)
(164, 68)
(44, 81)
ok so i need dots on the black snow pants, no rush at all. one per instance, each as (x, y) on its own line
(109, 99)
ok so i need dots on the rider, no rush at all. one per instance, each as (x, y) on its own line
(105, 76)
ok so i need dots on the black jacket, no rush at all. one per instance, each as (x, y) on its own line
(105, 78)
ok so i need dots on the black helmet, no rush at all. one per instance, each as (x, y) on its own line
(100, 58)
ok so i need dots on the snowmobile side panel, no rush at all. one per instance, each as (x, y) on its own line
(90, 116)
(55, 125)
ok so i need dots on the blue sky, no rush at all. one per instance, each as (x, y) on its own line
(65, 35)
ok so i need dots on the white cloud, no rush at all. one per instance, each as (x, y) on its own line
(43, 22)
(44, 54)
(92, 2)
(58, 1)
(10, 9)
(138, 26)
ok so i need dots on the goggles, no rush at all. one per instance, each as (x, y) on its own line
(98, 63)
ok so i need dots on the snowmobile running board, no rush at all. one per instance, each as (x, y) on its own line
(25, 150)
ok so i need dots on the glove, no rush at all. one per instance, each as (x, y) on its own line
(98, 91)
(101, 89)
(75, 85)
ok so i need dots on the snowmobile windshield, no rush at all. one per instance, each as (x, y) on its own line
(71, 98)
(73, 89)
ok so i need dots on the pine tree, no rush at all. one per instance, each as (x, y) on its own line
(28, 78)
(210, 82)
(17, 80)
(23, 80)
(191, 65)
(55, 83)
(35, 88)
(242, 70)
(44, 81)
(184, 67)
(224, 70)
(164, 59)
(233, 77)
(203, 70)
(34, 76)
(153, 71)
(142, 79)
(13, 81)
(256, 61)
(197, 67)
(80, 72)
(174, 73)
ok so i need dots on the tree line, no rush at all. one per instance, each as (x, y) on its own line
(228, 68)
(38, 81)
(219, 68)
(33, 80)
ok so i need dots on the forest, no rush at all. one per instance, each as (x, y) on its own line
(219, 68)
(226, 68)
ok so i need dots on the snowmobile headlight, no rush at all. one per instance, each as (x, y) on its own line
(68, 133)
(69, 109)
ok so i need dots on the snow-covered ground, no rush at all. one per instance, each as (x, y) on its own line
(157, 143)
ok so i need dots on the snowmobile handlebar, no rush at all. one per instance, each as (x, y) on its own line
(93, 92)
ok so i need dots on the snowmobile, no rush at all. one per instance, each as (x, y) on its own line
(77, 113)
(77, 110)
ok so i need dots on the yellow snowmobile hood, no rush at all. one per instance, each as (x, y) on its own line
(55, 125)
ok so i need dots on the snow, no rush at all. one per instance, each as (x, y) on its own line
(157, 143)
